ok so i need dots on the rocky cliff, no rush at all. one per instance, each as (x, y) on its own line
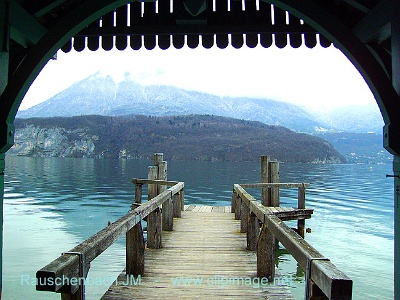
(194, 137)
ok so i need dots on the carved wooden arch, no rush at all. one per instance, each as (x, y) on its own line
(375, 75)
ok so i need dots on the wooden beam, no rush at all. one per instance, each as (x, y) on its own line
(25, 28)
(271, 185)
(52, 5)
(334, 283)
(376, 23)
(260, 210)
(196, 29)
(153, 181)
(66, 266)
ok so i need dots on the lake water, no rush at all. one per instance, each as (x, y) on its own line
(53, 204)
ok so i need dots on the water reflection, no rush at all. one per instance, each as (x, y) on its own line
(53, 204)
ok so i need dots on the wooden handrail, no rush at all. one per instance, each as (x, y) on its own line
(153, 181)
(330, 280)
(50, 277)
(272, 185)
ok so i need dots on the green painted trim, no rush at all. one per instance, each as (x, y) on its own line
(4, 32)
(25, 29)
(374, 21)
(2, 167)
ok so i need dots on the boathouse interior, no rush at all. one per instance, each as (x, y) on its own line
(366, 31)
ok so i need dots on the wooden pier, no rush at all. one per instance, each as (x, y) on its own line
(202, 252)
(203, 257)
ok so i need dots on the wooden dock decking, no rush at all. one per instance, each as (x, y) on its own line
(202, 252)
(204, 257)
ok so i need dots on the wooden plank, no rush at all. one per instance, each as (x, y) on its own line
(202, 246)
(271, 185)
(153, 181)
(334, 283)
(259, 210)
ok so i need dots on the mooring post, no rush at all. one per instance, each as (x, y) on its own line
(138, 193)
(167, 207)
(233, 202)
(154, 223)
(253, 231)
(135, 244)
(267, 244)
(266, 255)
(244, 216)
(135, 247)
(238, 206)
(265, 194)
(177, 205)
(301, 203)
(274, 178)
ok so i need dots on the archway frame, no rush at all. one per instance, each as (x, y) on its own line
(383, 82)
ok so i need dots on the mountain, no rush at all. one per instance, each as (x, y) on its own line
(191, 137)
(101, 95)
(359, 147)
(353, 118)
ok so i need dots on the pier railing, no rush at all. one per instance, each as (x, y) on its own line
(323, 279)
(67, 274)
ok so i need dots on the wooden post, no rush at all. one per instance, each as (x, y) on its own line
(154, 224)
(177, 205)
(182, 199)
(264, 179)
(135, 251)
(253, 231)
(238, 207)
(266, 255)
(233, 203)
(244, 215)
(158, 158)
(167, 208)
(274, 178)
(301, 223)
(168, 215)
(138, 193)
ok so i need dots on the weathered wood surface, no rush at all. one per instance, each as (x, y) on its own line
(150, 181)
(206, 245)
(284, 213)
(271, 185)
(68, 265)
(333, 282)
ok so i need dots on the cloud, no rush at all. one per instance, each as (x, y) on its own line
(318, 78)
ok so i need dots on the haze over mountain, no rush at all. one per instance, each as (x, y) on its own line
(101, 95)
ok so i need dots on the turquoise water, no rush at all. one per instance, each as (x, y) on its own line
(53, 204)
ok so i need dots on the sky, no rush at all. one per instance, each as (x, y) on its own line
(321, 79)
